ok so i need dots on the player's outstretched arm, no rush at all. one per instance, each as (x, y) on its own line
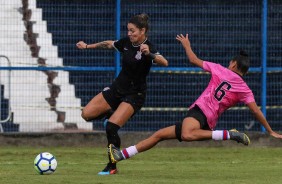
(260, 117)
(100, 45)
(184, 40)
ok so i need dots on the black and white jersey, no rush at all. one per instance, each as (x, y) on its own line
(135, 65)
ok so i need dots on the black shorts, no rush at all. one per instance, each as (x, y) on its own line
(198, 114)
(114, 97)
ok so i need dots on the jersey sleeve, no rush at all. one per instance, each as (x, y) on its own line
(120, 44)
(153, 50)
(209, 66)
(247, 96)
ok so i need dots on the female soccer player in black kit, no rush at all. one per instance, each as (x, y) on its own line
(127, 93)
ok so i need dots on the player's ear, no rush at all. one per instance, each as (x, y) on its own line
(143, 31)
(232, 65)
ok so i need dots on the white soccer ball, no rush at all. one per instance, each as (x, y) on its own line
(45, 163)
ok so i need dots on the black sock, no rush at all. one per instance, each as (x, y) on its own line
(113, 138)
(112, 134)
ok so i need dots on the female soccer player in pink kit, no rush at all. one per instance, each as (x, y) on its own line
(225, 89)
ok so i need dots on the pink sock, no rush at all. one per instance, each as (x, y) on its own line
(220, 135)
(129, 152)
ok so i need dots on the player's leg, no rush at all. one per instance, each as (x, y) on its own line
(195, 127)
(188, 130)
(97, 108)
(126, 106)
(171, 132)
(192, 131)
(160, 135)
(114, 123)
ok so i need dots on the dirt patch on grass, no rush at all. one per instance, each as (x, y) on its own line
(98, 139)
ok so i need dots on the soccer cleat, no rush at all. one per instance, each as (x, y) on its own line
(239, 137)
(115, 154)
(108, 170)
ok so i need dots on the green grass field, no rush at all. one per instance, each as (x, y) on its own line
(238, 165)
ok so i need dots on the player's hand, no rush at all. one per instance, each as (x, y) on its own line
(81, 45)
(144, 48)
(184, 40)
(276, 135)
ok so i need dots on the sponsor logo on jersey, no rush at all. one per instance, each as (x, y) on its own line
(138, 55)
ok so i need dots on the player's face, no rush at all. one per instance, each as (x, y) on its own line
(136, 35)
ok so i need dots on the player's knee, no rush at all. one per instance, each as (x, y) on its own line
(187, 137)
(183, 135)
(93, 116)
(84, 116)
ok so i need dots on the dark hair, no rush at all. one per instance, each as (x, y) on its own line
(243, 62)
(140, 21)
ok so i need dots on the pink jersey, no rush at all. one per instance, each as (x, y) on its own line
(225, 89)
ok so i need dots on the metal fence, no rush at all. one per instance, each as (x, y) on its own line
(5, 108)
(62, 79)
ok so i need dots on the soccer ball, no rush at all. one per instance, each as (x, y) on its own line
(45, 163)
